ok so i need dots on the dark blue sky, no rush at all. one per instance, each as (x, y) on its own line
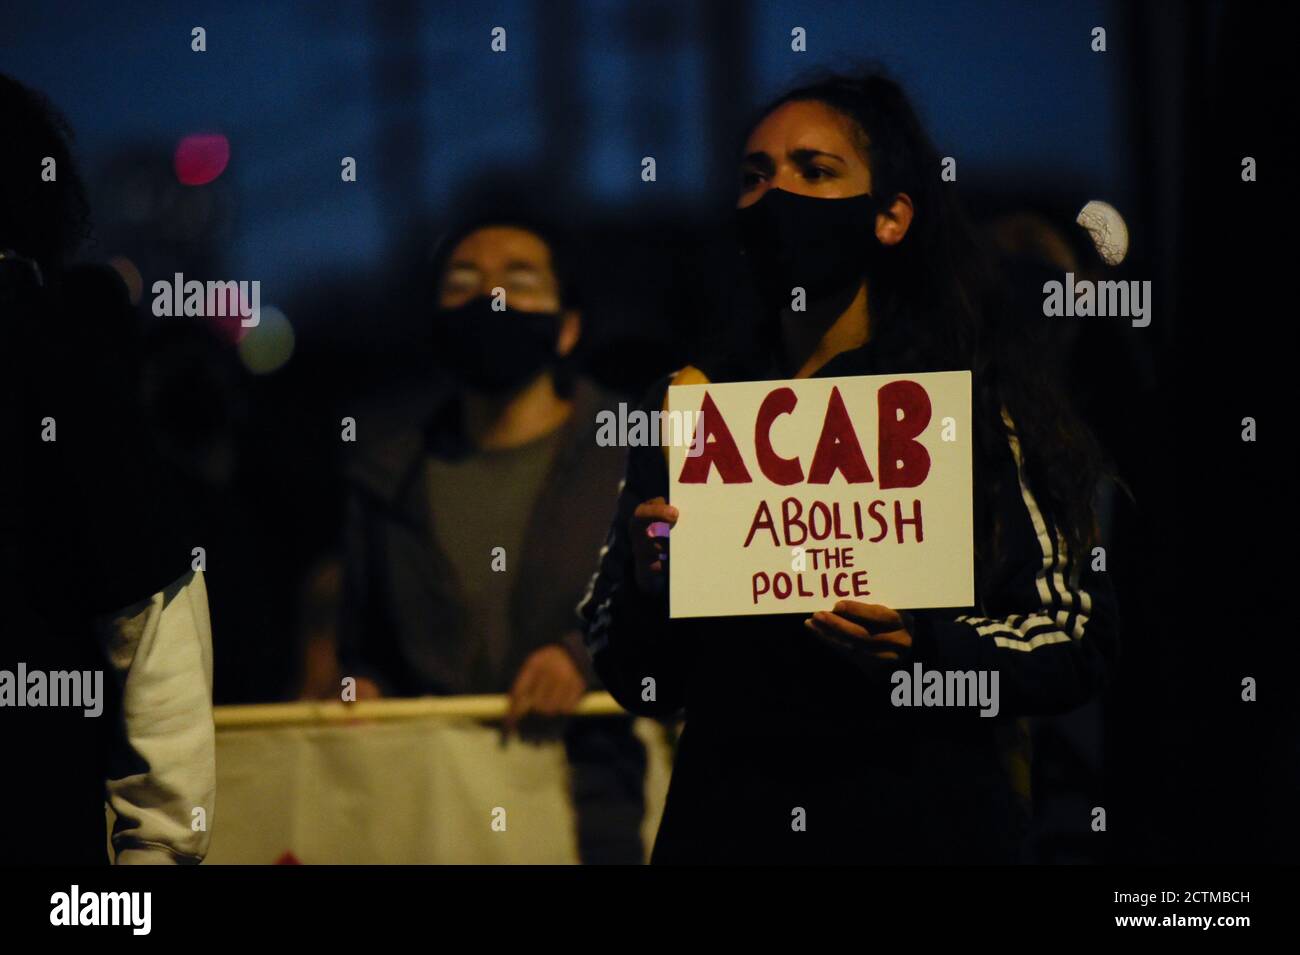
(1002, 85)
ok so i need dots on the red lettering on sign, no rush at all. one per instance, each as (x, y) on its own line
(778, 470)
(838, 448)
(904, 462)
(721, 452)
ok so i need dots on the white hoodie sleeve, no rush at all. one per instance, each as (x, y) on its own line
(163, 766)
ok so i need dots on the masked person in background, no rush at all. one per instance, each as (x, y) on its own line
(841, 196)
(105, 647)
(469, 539)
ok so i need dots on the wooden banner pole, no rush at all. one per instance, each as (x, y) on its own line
(319, 713)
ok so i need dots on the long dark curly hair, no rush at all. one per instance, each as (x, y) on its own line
(938, 303)
(40, 220)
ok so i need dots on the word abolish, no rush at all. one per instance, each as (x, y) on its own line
(904, 412)
(640, 429)
(242, 300)
(835, 521)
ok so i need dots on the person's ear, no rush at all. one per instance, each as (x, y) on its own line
(892, 223)
(570, 332)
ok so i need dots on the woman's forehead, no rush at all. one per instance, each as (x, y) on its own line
(805, 124)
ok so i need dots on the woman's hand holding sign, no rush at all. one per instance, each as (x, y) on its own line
(862, 628)
(653, 519)
(649, 526)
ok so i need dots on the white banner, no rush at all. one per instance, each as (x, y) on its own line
(402, 791)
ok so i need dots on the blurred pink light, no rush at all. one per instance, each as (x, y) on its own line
(201, 158)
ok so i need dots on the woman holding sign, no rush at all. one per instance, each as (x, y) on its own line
(802, 741)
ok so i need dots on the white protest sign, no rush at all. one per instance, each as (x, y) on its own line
(806, 492)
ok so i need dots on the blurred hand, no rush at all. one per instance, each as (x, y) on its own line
(368, 689)
(321, 672)
(869, 628)
(549, 685)
(649, 552)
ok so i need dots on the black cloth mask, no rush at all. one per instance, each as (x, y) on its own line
(493, 351)
(819, 245)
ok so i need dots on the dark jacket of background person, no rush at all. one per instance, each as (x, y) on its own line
(94, 576)
(403, 622)
(776, 719)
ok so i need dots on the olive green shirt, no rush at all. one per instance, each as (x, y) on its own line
(478, 504)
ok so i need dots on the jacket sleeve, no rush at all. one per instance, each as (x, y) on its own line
(163, 764)
(628, 632)
(1049, 621)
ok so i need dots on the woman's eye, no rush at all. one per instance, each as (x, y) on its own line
(749, 179)
(458, 282)
(814, 173)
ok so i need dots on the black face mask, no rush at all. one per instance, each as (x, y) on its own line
(495, 352)
(819, 245)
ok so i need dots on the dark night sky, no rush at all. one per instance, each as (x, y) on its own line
(1007, 87)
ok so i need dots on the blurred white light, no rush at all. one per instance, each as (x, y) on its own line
(1107, 228)
(268, 345)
